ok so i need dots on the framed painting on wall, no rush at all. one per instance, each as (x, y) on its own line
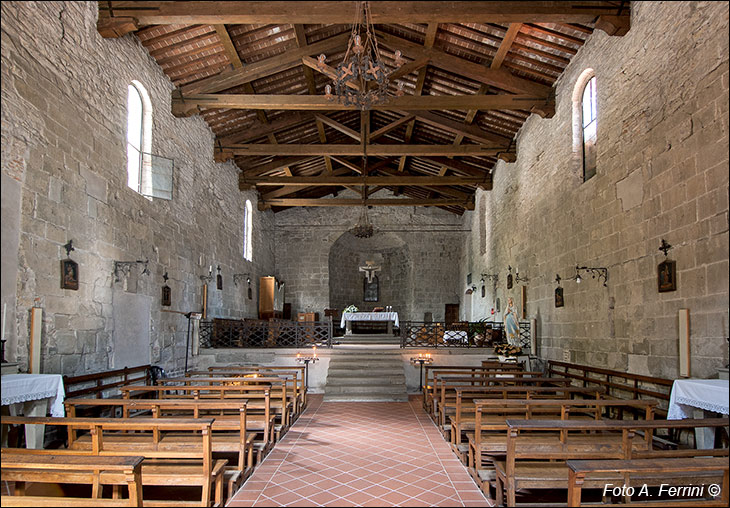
(559, 302)
(667, 276)
(69, 274)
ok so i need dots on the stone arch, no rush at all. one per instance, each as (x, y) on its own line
(386, 249)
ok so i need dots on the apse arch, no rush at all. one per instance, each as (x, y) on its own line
(384, 249)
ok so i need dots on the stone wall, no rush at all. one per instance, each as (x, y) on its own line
(64, 94)
(662, 173)
(418, 248)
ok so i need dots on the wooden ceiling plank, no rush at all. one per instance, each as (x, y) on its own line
(469, 131)
(232, 12)
(263, 68)
(468, 203)
(191, 104)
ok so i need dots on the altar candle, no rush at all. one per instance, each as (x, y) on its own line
(5, 308)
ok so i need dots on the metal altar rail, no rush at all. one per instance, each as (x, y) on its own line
(234, 333)
(458, 334)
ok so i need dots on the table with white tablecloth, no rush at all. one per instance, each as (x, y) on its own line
(690, 398)
(389, 317)
(33, 395)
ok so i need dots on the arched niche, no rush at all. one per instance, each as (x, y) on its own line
(387, 250)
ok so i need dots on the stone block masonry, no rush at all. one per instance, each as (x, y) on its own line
(64, 94)
(662, 173)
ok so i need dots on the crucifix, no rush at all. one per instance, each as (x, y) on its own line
(369, 270)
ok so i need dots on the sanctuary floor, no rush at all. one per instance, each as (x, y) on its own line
(361, 454)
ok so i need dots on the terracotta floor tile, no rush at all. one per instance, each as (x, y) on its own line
(361, 454)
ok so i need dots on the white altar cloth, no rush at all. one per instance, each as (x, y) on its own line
(369, 316)
(28, 387)
(707, 394)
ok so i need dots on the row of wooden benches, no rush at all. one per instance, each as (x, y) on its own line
(510, 427)
(182, 435)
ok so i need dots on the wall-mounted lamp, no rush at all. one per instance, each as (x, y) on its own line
(601, 273)
(242, 277)
(122, 268)
(520, 279)
(209, 277)
(494, 277)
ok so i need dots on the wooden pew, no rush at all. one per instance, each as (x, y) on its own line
(21, 468)
(428, 388)
(287, 399)
(168, 460)
(533, 446)
(677, 469)
(463, 419)
(105, 384)
(491, 417)
(445, 405)
(299, 376)
(259, 407)
(619, 385)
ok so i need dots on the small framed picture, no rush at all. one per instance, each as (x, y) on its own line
(166, 296)
(509, 281)
(667, 276)
(559, 302)
(69, 274)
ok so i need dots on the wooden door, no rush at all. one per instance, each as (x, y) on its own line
(451, 313)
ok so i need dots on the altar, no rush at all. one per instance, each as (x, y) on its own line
(391, 318)
(690, 398)
(34, 395)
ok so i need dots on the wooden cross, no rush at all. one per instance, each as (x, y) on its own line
(369, 270)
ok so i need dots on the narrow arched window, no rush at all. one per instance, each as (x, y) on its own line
(247, 230)
(139, 137)
(589, 114)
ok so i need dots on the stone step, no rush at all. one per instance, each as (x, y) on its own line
(363, 379)
(395, 397)
(372, 372)
(366, 388)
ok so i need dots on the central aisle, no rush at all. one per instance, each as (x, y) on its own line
(361, 454)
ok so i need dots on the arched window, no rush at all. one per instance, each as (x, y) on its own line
(247, 229)
(139, 138)
(589, 116)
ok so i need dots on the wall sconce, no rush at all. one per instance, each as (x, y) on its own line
(122, 268)
(241, 277)
(595, 272)
(520, 279)
(494, 277)
(209, 277)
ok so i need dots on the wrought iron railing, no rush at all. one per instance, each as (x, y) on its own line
(233, 333)
(459, 334)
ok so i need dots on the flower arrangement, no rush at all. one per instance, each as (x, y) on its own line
(350, 308)
(507, 349)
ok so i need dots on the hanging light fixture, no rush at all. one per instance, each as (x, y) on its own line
(361, 79)
(364, 228)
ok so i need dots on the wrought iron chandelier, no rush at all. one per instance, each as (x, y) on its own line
(363, 228)
(361, 79)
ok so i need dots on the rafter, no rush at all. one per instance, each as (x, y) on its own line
(263, 68)
(113, 15)
(339, 127)
(392, 125)
(398, 179)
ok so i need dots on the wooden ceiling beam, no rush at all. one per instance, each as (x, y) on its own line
(371, 150)
(469, 131)
(188, 105)
(339, 127)
(288, 190)
(396, 179)
(266, 204)
(257, 13)
(252, 132)
(500, 78)
(270, 167)
(263, 68)
(327, 70)
(392, 125)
